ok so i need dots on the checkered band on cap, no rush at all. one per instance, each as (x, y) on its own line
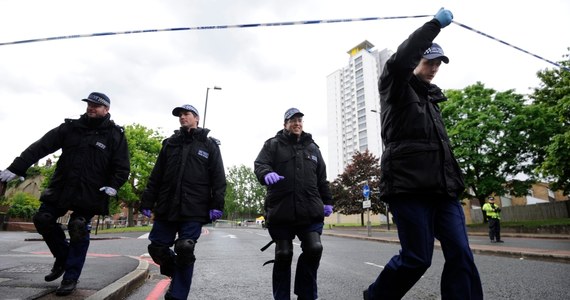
(291, 112)
(435, 51)
(186, 107)
(98, 98)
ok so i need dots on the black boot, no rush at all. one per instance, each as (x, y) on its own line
(57, 270)
(66, 287)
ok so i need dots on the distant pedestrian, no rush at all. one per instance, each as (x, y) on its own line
(421, 179)
(298, 198)
(186, 190)
(93, 165)
(493, 213)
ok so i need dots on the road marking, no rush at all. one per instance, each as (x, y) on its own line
(149, 259)
(145, 236)
(88, 254)
(375, 265)
(379, 266)
(231, 236)
(47, 254)
(158, 290)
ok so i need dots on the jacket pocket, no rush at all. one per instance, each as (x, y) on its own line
(415, 168)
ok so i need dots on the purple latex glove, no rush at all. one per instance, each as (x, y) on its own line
(146, 212)
(272, 178)
(215, 214)
(328, 210)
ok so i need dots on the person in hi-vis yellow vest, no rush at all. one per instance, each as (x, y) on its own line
(493, 212)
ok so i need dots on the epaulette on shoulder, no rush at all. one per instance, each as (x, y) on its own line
(271, 140)
(120, 128)
(215, 140)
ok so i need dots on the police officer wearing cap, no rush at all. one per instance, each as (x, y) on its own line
(93, 165)
(298, 198)
(421, 179)
(185, 190)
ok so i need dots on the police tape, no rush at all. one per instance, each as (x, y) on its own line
(513, 46)
(272, 24)
(211, 27)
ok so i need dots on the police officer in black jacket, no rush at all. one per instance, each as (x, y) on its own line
(298, 198)
(186, 189)
(421, 179)
(93, 165)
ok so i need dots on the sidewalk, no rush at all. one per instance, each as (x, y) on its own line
(22, 277)
(546, 247)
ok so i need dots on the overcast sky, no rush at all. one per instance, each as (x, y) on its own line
(262, 70)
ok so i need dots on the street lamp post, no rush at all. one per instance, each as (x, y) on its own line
(206, 105)
(379, 114)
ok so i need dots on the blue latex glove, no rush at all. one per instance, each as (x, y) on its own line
(272, 178)
(215, 214)
(146, 212)
(444, 17)
(109, 190)
(328, 210)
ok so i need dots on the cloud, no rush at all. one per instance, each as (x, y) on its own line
(262, 70)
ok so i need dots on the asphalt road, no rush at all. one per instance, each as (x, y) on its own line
(229, 266)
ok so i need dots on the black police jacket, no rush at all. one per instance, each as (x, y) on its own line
(418, 158)
(299, 197)
(188, 179)
(94, 154)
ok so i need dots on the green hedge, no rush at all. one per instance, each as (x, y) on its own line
(23, 205)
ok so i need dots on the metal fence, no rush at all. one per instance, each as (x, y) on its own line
(542, 211)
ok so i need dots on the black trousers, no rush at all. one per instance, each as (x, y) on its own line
(494, 229)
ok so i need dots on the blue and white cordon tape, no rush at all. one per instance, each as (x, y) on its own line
(274, 24)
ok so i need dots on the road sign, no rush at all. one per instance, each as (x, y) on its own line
(366, 204)
(366, 191)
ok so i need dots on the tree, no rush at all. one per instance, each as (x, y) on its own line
(231, 207)
(144, 147)
(246, 196)
(549, 126)
(347, 187)
(47, 171)
(486, 129)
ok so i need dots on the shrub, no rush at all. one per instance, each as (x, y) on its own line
(23, 205)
